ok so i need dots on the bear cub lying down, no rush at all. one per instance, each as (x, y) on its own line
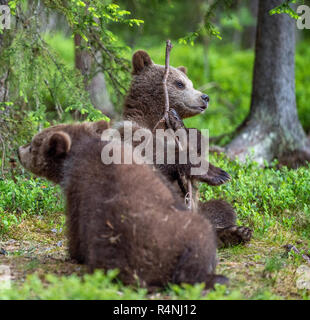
(119, 215)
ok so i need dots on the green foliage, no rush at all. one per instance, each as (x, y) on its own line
(265, 295)
(104, 286)
(302, 90)
(101, 286)
(41, 84)
(172, 20)
(207, 27)
(189, 292)
(44, 87)
(98, 286)
(285, 8)
(265, 198)
(62, 46)
(274, 263)
(39, 81)
(93, 23)
(26, 197)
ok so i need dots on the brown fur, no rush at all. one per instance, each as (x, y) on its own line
(218, 212)
(223, 217)
(122, 216)
(144, 105)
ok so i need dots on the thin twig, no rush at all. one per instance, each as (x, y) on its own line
(119, 61)
(290, 247)
(166, 95)
(189, 195)
(165, 117)
(167, 68)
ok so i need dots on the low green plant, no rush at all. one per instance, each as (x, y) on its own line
(104, 286)
(265, 197)
(98, 286)
(274, 263)
(26, 196)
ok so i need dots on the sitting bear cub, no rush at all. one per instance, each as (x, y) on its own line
(119, 215)
(144, 106)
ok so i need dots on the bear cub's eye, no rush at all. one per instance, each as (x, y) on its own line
(180, 84)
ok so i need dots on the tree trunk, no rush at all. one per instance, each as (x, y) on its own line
(272, 128)
(248, 34)
(4, 76)
(96, 86)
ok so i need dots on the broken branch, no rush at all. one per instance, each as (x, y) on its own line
(167, 67)
(189, 195)
(166, 95)
(165, 117)
(290, 247)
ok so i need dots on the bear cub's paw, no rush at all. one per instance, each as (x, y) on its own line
(175, 120)
(233, 235)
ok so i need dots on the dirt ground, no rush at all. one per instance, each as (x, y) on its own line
(255, 268)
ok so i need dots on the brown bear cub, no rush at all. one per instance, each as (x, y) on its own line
(144, 105)
(122, 215)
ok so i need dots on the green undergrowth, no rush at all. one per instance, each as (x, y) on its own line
(273, 202)
(25, 197)
(101, 286)
(266, 198)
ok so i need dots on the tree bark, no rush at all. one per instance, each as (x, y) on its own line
(96, 86)
(249, 32)
(272, 128)
(4, 76)
(2, 3)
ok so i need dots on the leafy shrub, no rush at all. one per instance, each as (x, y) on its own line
(101, 286)
(26, 197)
(98, 286)
(266, 197)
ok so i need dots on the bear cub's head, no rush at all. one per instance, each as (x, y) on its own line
(46, 153)
(147, 87)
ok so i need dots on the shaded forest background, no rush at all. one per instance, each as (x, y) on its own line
(65, 61)
(58, 64)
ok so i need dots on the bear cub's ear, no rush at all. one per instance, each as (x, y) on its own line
(59, 144)
(100, 126)
(140, 60)
(182, 69)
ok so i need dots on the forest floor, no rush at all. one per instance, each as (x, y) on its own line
(261, 269)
